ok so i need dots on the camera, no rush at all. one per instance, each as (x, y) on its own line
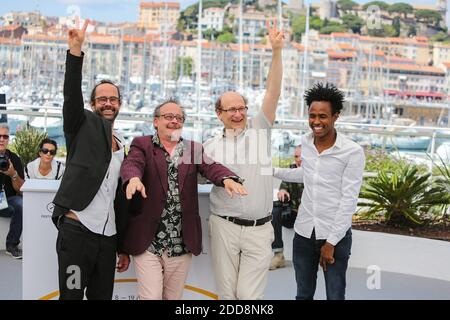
(4, 162)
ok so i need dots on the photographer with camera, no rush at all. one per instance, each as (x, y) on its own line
(284, 212)
(11, 180)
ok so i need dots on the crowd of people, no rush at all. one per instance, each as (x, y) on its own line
(113, 205)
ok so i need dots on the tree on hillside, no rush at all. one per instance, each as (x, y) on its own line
(401, 8)
(332, 26)
(183, 66)
(353, 22)
(428, 16)
(397, 26)
(226, 38)
(387, 31)
(346, 5)
(412, 31)
(298, 23)
(381, 4)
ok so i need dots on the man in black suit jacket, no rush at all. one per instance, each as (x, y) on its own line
(90, 206)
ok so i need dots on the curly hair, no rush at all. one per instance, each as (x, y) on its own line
(326, 92)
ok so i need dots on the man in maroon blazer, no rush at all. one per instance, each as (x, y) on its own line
(164, 228)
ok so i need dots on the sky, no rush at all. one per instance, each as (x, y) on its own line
(109, 10)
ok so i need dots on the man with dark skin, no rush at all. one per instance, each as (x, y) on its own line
(331, 171)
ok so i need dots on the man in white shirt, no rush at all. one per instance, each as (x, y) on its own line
(90, 206)
(240, 228)
(332, 169)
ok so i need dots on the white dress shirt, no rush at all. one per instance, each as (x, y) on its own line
(332, 182)
(99, 216)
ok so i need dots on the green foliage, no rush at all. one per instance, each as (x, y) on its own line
(381, 4)
(333, 27)
(183, 66)
(401, 8)
(397, 26)
(299, 25)
(188, 17)
(282, 162)
(211, 34)
(428, 16)
(226, 38)
(378, 160)
(443, 170)
(26, 143)
(387, 31)
(353, 22)
(412, 31)
(346, 5)
(404, 196)
(440, 37)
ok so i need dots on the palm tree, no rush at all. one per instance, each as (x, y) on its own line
(403, 196)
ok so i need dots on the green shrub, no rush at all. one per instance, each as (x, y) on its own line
(26, 144)
(403, 196)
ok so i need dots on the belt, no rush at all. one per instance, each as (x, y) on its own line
(73, 222)
(248, 223)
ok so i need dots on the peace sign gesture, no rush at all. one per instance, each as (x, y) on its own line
(76, 38)
(276, 36)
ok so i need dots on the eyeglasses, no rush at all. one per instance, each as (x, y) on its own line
(112, 100)
(46, 151)
(4, 136)
(170, 117)
(233, 110)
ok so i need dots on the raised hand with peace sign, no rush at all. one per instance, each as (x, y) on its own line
(76, 38)
(276, 37)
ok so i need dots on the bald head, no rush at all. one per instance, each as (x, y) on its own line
(230, 97)
(227, 102)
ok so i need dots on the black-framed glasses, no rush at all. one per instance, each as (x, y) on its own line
(233, 110)
(112, 100)
(4, 136)
(170, 117)
(46, 151)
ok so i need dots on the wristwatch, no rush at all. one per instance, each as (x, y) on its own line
(234, 178)
(14, 176)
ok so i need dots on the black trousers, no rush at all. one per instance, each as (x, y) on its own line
(86, 261)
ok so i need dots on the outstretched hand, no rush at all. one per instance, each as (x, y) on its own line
(76, 39)
(276, 37)
(135, 185)
(232, 187)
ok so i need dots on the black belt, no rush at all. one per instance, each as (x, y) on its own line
(248, 223)
(73, 222)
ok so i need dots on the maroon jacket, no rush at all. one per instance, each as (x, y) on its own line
(148, 162)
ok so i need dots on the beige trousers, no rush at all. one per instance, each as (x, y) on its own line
(161, 278)
(241, 258)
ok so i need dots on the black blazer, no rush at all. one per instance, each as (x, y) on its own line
(88, 142)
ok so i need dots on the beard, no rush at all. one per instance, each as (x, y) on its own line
(99, 111)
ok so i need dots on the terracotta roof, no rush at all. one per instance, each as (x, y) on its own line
(10, 28)
(343, 35)
(414, 67)
(10, 41)
(45, 37)
(103, 38)
(394, 59)
(341, 55)
(235, 47)
(172, 5)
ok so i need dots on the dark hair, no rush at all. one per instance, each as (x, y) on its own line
(218, 105)
(49, 141)
(156, 112)
(103, 82)
(327, 92)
